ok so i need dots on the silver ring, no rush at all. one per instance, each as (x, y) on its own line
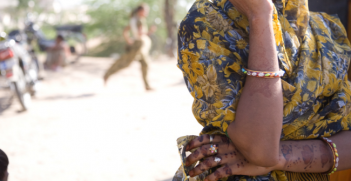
(211, 138)
(217, 160)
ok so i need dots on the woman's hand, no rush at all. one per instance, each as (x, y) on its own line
(231, 160)
(254, 8)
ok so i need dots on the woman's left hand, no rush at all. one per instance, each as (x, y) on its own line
(227, 156)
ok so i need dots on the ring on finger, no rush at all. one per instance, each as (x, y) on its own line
(217, 159)
(211, 138)
(214, 148)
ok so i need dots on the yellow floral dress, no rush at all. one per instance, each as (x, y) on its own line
(312, 48)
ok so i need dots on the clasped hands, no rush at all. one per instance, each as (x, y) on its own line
(230, 160)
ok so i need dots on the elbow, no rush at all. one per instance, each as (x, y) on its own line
(263, 158)
(259, 152)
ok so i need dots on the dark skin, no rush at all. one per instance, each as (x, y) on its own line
(259, 94)
(324, 157)
(6, 175)
(262, 152)
(307, 156)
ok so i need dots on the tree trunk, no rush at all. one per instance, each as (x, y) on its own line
(171, 26)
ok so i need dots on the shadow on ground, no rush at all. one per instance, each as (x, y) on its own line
(57, 97)
(5, 103)
(170, 179)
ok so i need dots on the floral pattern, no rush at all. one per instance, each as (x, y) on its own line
(313, 50)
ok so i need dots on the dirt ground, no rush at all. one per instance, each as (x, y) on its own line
(79, 130)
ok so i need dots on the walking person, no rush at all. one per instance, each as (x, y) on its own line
(138, 46)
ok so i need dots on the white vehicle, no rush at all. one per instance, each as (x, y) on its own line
(18, 72)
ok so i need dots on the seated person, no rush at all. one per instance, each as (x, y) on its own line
(57, 54)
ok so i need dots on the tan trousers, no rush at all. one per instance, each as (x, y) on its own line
(140, 51)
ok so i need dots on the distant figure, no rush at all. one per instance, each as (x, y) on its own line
(138, 46)
(4, 163)
(56, 55)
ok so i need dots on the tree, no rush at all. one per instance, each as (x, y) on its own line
(171, 25)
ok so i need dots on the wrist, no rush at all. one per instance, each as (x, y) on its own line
(264, 14)
(282, 161)
(258, 20)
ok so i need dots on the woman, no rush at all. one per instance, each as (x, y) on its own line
(249, 98)
(138, 47)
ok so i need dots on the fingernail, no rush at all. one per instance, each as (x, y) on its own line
(191, 173)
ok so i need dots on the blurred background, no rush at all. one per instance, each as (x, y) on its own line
(103, 20)
(65, 124)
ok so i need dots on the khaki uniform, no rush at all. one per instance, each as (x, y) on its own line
(139, 50)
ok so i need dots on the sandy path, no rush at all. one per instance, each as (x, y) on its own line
(78, 130)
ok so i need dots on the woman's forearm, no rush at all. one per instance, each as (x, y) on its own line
(257, 127)
(314, 156)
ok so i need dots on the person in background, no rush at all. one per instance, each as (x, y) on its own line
(56, 55)
(4, 163)
(138, 46)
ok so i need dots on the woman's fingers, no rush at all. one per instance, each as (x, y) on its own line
(212, 162)
(206, 165)
(202, 152)
(222, 172)
(206, 139)
(209, 150)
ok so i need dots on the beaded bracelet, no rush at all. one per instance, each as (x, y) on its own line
(335, 154)
(263, 74)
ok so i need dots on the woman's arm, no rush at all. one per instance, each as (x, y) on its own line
(307, 156)
(126, 35)
(314, 155)
(257, 127)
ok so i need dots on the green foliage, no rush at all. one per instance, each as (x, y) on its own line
(23, 7)
(109, 17)
(48, 31)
